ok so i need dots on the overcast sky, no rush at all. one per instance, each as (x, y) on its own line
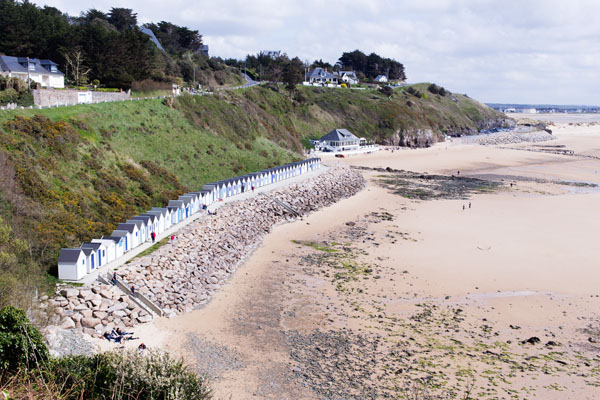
(521, 51)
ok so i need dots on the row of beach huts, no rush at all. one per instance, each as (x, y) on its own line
(76, 263)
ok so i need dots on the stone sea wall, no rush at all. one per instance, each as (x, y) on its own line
(183, 275)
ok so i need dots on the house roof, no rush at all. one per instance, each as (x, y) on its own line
(87, 250)
(126, 226)
(340, 135)
(69, 255)
(175, 203)
(93, 245)
(19, 64)
(137, 222)
(152, 215)
(153, 38)
(114, 238)
(162, 210)
(321, 73)
(186, 199)
(143, 217)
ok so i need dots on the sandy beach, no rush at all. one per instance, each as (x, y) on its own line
(445, 286)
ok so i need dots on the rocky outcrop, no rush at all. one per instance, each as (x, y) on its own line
(183, 275)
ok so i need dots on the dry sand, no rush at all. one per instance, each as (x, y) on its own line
(379, 290)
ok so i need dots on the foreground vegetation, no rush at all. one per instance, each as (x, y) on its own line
(28, 371)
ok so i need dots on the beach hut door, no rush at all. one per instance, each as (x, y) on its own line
(93, 261)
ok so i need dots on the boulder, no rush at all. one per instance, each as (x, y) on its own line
(68, 293)
(90, 322)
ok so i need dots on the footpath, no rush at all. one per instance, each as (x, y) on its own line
(133, 253)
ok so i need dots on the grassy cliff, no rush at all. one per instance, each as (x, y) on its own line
(71, 174)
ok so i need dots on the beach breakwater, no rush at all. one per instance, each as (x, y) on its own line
(183, 275)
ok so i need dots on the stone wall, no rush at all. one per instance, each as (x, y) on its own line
(183, 275)
(52, 97)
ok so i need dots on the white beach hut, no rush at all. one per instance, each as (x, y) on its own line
(120, 242)
(126, 242)
(110, 249)
(71, 264)
(98, 258)
(134, 239)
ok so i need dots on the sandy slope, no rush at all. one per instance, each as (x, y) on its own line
(525, 256)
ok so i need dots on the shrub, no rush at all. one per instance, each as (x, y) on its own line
(128, 375)
(21, 345)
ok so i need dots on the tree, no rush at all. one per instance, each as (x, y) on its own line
(78, 71)
(122, 18)
(21, 345)
(293, 73)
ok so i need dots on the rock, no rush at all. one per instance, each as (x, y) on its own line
(68, 293)
(86, 313)
(89, 322)
(99, 314)
(532, 340)
(67, 323)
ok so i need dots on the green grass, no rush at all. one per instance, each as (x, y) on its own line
(151, 249)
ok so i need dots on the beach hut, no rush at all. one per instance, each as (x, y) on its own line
(166, 213)
(126, 237)
(99, 254)
(145, 227)
(71, 264)
(134, 233)
(120, 243)
(196, 201)
(211, 189)
(152, 222)
(188, 204)
(90, 259)
(177, 208)
(109, 254)
(142, 230)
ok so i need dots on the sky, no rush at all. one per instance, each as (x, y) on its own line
(511, 51)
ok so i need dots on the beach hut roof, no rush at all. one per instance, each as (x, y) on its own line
(69, 255)
(143, 217)
(119, 233)
(175, 203)
(115, 239)
(139, 223)
(163, 210)
(152, 215)
(87, 250)
(92, 245)
(127, 226)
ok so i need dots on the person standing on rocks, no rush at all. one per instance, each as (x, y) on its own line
(132, 290)
(114, 278)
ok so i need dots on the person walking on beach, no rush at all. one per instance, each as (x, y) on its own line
(114, 278)
(132, 291)
(252, 188)
(469, 204)
(463, 207)
(172, 238)
(153, 235)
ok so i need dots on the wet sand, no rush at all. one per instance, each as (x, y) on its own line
(377, 292)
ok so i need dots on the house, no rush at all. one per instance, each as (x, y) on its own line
(338, 140)
(274, 54)
(110, 247)
(348, 77)
(157, 221)
(98, 255)
(71, 264)
(134, 239)
(126, 244)
(321, 76)
(177, 209)
(204, 50)
(151, 222)
(142, 229)
(44, 72)
(381, 79)
(166, 213)
(120, 243)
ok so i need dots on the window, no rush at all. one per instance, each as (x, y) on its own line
(83, 262)
(53, 68)
(103, 253)
(31, 66)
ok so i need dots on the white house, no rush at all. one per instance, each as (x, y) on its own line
(151, 222)
(110, 247)
(166, 213)
(381, 79)
(125, 243)
(321, 76)
(120, 243)
(144, 234)
(99, 255)
(338, 140)
(71, 264)
(44, 72)
(159, 220)
(134, 239)
(177, 209)
(348, 77)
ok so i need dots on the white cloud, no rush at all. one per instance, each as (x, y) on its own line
(503, 51)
